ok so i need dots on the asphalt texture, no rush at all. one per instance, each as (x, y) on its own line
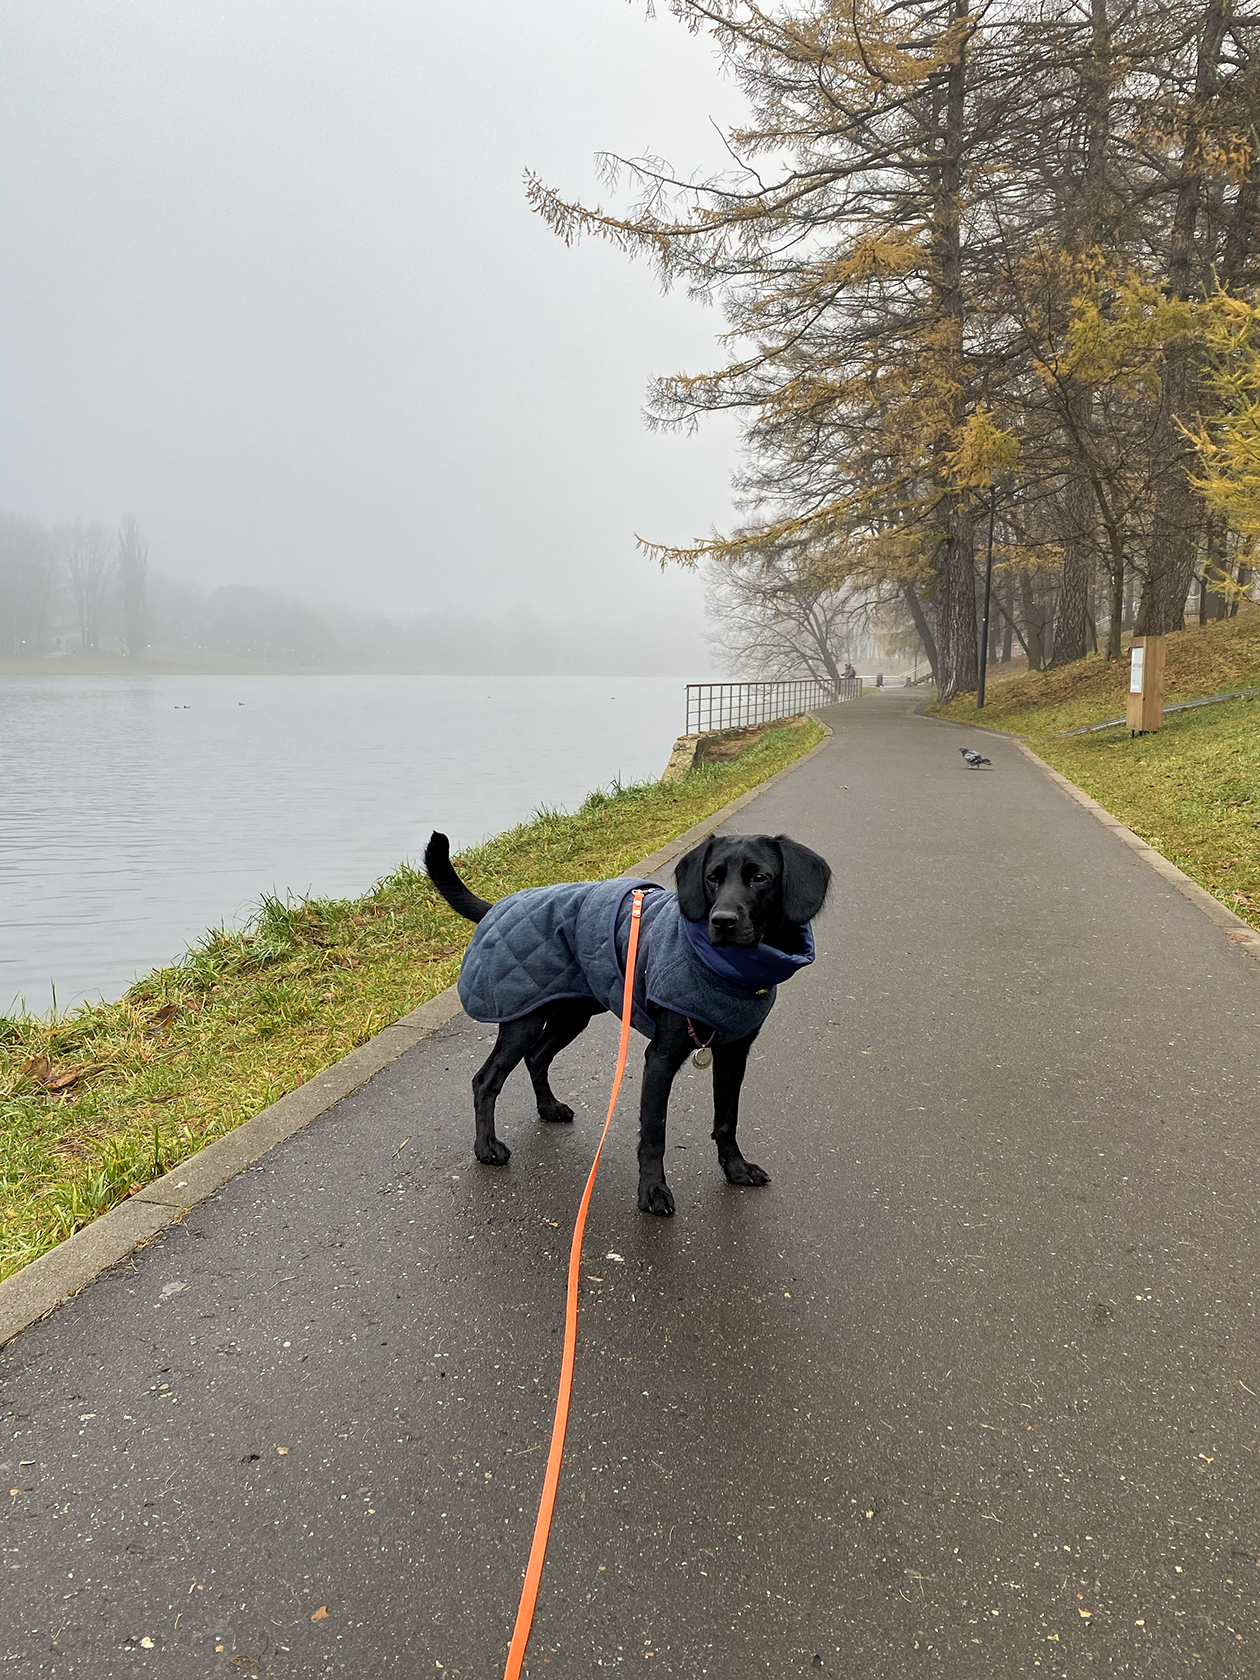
(971, 1389)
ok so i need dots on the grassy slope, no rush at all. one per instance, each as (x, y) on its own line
(99, 1102)
(1193, 788)
(1206, 660)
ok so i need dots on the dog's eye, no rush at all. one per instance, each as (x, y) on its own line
(761, 876)
(714, 879)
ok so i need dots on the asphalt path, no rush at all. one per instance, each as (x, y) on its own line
(971, 1389)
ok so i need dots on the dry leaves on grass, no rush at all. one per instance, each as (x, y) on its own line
(160, 1017)
(40, 1071)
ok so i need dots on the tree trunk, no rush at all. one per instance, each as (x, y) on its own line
(1071, 625)
(1116, 625)
(1213, 603)
(911, 597)
(818, 635)
(955, 556)
(1178, 510)
(1089, 227)
(1242, 580)
(1178, 513)
(1035, 622)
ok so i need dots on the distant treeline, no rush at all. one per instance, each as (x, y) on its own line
(81, 589)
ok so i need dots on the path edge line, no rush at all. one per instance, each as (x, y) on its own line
(1232, 926)
(46, 1283)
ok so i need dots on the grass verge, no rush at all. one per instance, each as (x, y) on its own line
(98, 1102)
(1192, 790)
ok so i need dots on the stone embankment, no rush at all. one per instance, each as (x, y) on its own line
(716, 747)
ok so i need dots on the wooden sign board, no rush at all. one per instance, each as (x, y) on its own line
(1145, 709)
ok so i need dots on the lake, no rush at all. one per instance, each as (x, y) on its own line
(135, 813)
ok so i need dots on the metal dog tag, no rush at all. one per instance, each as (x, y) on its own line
(702, 1057)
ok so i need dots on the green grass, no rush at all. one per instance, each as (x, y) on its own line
(98, 1102)
(1205, 660)
(1192, 790)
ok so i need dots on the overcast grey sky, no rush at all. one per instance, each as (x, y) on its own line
(268, 279)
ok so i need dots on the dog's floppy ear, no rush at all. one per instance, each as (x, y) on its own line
(806, 878)
(689, 880)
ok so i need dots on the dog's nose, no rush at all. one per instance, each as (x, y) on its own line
(723, 921)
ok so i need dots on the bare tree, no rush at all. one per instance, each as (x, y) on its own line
(133, 578)
(90, 564)
(772, 621)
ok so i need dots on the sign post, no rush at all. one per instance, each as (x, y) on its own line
(1145, 710)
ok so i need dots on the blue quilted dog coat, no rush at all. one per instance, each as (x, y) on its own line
(570, 942)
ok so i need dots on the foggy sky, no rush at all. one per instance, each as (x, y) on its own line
(268, 280)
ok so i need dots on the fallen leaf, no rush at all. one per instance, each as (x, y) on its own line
(40, 1071)
(1085, 1614)
(320, 1614)
(67, 1076)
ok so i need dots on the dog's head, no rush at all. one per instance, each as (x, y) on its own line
(752, 887)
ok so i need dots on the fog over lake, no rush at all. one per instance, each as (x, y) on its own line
(139, 812)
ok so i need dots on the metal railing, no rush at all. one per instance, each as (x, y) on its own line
(744, 705)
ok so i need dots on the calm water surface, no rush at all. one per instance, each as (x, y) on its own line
(137, 813)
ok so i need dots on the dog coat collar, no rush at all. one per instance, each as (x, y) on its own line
(754, 966)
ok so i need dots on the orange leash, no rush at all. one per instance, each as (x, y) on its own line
(551, 1480)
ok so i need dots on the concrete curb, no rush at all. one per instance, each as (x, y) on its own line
(1242, 933)
(1233, 927)
(44, 1284)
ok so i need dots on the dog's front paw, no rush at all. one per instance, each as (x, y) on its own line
(655, 1198)
(554, 1111)
(744, 1172)
(491, 1153)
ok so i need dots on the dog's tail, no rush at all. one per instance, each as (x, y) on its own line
(437, 860)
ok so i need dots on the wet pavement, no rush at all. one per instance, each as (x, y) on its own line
(971, 1389)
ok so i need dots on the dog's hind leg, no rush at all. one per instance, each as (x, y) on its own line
(566, 1018)
(515, 1041)
(729, 1063)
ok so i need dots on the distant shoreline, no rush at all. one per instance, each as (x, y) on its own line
(224, 665)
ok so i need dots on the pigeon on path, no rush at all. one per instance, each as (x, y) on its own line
(974, 759)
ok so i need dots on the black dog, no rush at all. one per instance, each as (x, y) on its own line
(748, 896)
